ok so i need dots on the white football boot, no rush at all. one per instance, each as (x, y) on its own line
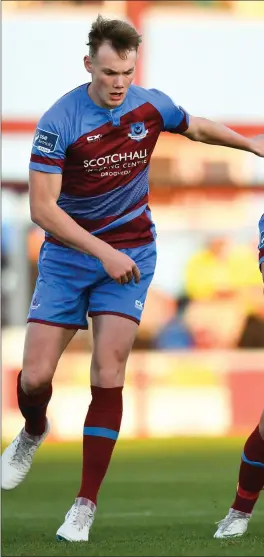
(18, 456)
(78, 522)
(235, 524)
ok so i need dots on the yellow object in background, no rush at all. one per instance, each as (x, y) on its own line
(252, 8)
(221, 268)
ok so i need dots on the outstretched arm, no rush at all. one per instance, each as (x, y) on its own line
(214, 133)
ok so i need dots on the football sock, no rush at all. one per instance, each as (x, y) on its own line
(101, 429)
(251, 473)
(33, 408)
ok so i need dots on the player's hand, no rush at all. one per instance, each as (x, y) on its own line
(120, 267)
(257, 145)
(262, 271)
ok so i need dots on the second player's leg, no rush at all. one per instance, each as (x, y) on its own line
(249, 487)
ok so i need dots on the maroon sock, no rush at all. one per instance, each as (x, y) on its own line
(101, 428)
(251, 473)
(33, 408)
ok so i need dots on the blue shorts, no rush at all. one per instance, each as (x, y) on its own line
(71, 284)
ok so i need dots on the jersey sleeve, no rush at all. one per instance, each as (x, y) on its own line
(261, 240)
(49, 145)
(175, 118)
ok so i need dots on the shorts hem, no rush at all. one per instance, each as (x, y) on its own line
(54, 324)
(94, 313)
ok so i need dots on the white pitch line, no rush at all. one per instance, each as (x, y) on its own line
(120, 515)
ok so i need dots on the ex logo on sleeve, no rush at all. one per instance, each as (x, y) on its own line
(45, 141)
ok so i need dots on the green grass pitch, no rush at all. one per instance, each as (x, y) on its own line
(160, 497)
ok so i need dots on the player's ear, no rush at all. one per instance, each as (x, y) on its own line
(87, 64)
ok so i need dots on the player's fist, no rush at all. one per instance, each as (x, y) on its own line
(120, 267)
(262, 270)
(257, 144)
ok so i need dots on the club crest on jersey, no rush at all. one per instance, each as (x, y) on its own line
(138, 131)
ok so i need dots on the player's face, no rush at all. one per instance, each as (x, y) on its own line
(111, 75)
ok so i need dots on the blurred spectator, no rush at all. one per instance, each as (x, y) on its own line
(4, 308)
(7, 246)
(175, 333)
(217, 323)
(252, 334)
(224, 283)
(221, 269)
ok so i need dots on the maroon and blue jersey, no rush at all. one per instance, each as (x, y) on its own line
(104, 156)
(261, 240)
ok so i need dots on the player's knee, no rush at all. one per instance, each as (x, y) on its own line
(34, 382)
(109, 372)
(108, 376)
(261, 425)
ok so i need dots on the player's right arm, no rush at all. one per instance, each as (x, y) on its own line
(44, 190)
(261, 245)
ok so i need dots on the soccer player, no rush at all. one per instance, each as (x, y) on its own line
(89, 192)
(251, 472)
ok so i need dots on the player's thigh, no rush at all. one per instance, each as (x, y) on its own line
(113, 338)
(43, 347)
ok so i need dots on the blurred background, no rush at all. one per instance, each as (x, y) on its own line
(197, 367)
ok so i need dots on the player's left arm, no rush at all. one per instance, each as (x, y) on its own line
(214, 133)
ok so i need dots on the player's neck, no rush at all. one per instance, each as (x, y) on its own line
(95, 98)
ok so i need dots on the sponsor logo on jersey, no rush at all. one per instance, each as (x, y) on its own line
(91, 138)
(116, 158)
(45, 141)
(137, 131)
